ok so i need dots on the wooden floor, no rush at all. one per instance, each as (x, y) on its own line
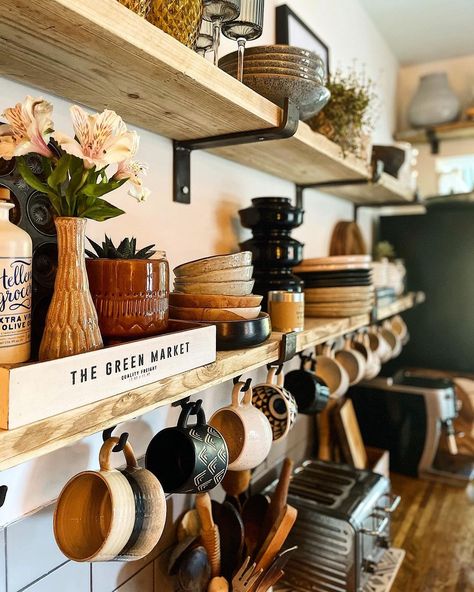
(435, 525)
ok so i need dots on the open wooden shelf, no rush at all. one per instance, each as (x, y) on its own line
(387, 189)
(36, 439)
(101, 54)
(459, 130)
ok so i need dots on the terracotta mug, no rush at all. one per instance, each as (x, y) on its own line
(95, 513)
(276, 403)
(332, 373)
(352, 361)
(188, 458)
(311, 393)
(246, 430)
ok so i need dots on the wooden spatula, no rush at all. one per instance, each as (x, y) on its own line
(278, 499)
(209, 533)
(276, 537)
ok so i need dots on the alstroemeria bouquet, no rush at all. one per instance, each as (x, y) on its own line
(77, 176)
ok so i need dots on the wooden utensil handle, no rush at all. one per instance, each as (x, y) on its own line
(204, 508)
(276, 537)
(280, 495)
(211, 542)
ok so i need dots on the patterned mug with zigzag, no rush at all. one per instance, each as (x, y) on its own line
(188, 458)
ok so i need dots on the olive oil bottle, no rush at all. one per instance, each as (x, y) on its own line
(15, 287)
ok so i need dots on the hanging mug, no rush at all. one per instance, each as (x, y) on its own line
(188, 458)
(311, 393)
(276, 403)
(332, 373)
(246, 430)
(372, 362)
(96, 513)
(352, 361)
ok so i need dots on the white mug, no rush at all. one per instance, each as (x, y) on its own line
(352, 361)
(333, 374)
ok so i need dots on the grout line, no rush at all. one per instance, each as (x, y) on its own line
(43, 576)
(5, 530)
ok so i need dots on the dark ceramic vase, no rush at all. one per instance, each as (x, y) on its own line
(274, 251)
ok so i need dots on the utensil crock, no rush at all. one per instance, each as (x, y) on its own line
(246, 430)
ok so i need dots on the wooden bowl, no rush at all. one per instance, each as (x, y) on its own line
(214, 301)
(214, 314)
(224, 288)
(216, 263)
(220, 275)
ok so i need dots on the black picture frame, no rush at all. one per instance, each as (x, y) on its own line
(289, 24)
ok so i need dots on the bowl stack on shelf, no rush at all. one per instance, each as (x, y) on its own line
(337, 286)
(280, 71)
(218, 290)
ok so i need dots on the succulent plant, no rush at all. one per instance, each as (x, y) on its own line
(127, 249)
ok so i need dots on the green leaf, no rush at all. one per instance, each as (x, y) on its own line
(59, 174)
(145, 253)
(102, 210)
(30, 177)
(97, 248)
(100, 189)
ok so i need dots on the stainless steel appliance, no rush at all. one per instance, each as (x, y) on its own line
(407, 414)
(342, 529)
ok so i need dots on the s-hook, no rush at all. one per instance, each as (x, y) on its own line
(279, 368)
(106, 434)
(3, 494)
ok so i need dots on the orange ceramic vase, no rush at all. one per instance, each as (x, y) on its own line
(130, 295)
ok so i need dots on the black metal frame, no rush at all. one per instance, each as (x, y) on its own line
(282, 33)
(377, 170)
(182, 149)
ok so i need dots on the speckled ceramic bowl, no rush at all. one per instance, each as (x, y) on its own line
(278, 48)
(297, 60)
(271, 68)
(307, 94)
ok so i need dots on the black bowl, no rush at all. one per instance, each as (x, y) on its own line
(243, 334)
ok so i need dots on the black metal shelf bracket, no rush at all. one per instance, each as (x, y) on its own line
(287, 348)
(433, 140)
(182, 149)
(3, 494)
(416, 201)
(377, 170)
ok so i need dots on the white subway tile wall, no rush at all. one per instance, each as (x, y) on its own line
(30, 561)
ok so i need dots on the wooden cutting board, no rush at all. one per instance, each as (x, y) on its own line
(349, 436)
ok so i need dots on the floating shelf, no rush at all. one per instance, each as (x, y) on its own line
(101, 54)
(47, 435)
(460, 130)
(387, 189)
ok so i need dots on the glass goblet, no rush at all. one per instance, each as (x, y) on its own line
(219, 12)
(205, 40)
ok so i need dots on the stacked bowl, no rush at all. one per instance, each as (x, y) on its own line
(281, 71)
(218, 290)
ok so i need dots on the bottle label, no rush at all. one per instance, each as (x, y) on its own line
(15, 301)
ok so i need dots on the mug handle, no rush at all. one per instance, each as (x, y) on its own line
(106, 453)
(190, 409)
(271, 375)
(246, 399)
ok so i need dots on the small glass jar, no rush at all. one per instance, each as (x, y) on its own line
(286, 310)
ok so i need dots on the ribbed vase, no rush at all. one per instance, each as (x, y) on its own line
(71, 324)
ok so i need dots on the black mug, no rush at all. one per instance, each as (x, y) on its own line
(188, 458)
(311, 393)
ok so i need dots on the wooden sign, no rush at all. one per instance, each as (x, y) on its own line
(31, 392)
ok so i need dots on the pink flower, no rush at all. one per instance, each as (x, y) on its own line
(28, 129)
(102, 138)
(133, 171)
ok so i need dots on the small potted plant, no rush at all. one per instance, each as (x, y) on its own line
(349, 117)
(129, 289)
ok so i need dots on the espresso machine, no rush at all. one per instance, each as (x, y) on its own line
(407, 414)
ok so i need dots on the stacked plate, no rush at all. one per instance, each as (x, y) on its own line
(219, 290)
(280, 71)
(337, 286)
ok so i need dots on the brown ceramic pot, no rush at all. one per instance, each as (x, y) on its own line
(131, 296)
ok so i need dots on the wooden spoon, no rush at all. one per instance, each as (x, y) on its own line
(218, 584)
(235, 484)
(209, 533)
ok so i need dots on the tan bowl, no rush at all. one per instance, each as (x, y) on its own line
(296, 60)
(224, 288)
(221, 275)
(280, 48)
(214, 301)
(275, 70)
(200, 266)
(214, 314)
